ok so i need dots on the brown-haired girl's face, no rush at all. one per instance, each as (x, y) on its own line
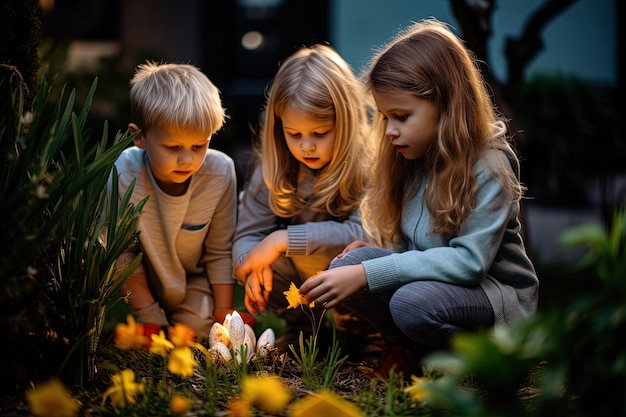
(410, 122)
(310, 140)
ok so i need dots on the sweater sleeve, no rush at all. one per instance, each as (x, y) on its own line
(464, 259)
(255, 219)
(329, 236)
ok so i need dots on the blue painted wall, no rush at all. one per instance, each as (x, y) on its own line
(581, 41)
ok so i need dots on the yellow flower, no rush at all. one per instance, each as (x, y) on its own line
(267, 393)
(418, 390)
(182, 362)
(180, 404)
(239, 407)
(160, 345)
(129, 336)
(325, 403)
(182, 335)
(52, 399)
(124, 389)
(294, 298)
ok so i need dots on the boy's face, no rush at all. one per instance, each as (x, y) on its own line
(173, 157)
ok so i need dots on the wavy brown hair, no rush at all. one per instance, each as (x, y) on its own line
(318, 82)
(430, 62)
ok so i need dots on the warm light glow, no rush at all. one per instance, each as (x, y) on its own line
(47, 6)
(252, 40)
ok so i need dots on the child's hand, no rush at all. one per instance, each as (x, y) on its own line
(263, 255)
(352, 246)
(331, 287)
(258, 287)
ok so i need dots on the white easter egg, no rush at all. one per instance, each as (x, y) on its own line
(226, 322)
(219, 352)
(268, 337)
(249, 344)
(251, 335)
(236, 330)
(247, 347)
(218, 334)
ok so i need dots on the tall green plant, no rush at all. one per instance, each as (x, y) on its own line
(57, 276)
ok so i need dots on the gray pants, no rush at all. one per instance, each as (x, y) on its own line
(424, 312)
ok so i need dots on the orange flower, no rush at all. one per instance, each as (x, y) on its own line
(267, 393)
(240, 407)
(52, 399)
(160, 345)
(182, 335)
(123, 390)
(129, 336)
(294, 298)
(324, 403)
(182, 362)
(180, 404)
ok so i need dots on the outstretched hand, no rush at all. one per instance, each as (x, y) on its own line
(331, 287)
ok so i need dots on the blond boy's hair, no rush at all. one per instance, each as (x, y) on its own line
(175, 98)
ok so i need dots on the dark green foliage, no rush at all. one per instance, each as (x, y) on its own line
(56, 277)
(575, 356)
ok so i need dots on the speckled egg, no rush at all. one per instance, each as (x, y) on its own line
(218, 334)
(236, 330)
(219, 352)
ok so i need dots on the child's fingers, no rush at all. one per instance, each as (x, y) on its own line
(268, 283)
(254, 291)
(250, 305)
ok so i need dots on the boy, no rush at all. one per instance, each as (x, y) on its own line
(187, 224)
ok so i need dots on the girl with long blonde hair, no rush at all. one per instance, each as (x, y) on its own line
(301, 205)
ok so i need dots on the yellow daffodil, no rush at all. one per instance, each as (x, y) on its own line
(52, 399)
(179, 404)
(160, 345)
(294, 298)
(182, 335)
(324, 403)
(418, 390)
(240, 407)
(129, 336)
(267, 393)
(182, 362)
(124, 389)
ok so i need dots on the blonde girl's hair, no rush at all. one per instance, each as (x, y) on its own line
(428, 61)
(318, 82)
(175, 98)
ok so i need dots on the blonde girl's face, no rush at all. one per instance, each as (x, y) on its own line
(310, 140)
(174, 158)
(410, 122)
